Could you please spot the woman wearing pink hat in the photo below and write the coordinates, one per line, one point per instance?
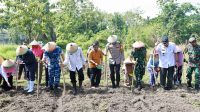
(6, 70)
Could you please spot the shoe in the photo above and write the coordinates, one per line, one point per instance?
(167, 88)
(139, 88)
(27, 87)
(117, 84)
(113, 84)
(31, 87)
(74, 90)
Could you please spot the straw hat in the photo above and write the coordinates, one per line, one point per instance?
(1, 60)
(138, 44)
(128, 61)
(50, 46)
(178, 49)
(21, 50)
(71, 47)
(8, 63)
(34, 42)
(112, 38)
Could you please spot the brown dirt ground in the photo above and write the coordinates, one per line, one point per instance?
(102, 100)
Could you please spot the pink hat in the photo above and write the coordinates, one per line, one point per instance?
(9, 70)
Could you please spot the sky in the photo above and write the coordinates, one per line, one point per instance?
(148, 7)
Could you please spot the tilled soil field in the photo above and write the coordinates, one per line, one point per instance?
(102, 100)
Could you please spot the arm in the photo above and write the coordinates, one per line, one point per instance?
(82, 57)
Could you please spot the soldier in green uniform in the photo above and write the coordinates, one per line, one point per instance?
(139, 54)
(193, 51)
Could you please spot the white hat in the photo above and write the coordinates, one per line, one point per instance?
(50, 46)
(8, 63)
(21, 50)
(138, 44)
(112, 38)
(34, 42)
(71, 47)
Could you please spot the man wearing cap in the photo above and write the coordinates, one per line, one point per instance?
(139, 55)
(116, 56)
(75, 61)
(52, 57)
(168, 58)
(95, 59)
(193, 51)
(27, 57)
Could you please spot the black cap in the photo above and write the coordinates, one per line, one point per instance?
(165, 39)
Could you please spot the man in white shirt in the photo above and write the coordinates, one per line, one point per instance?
(76, 61)
(167, 61)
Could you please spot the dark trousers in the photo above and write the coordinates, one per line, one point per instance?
(95, 76)
(5, 85)
(0, 78)
(46, 76)
(166, 72)
(73, 75)
(178, 74)
(115, 69)
(21, 69)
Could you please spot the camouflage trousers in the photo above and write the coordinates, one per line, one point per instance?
(189, 75)
(139, 73)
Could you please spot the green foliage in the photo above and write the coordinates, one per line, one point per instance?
(8, 51)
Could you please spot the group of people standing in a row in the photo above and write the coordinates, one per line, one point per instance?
(166, 58)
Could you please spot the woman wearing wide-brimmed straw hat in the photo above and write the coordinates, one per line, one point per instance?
(75, 61)
(36, 48)
(27, 57)
(52, 56)
(7, 69)
(116, 56)
(139, 53)
(127, 69)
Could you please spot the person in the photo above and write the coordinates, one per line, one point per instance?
(116, 57)
(193, 51)
(178, 69)
(37, 50)
(88, 51)
(27, 57)
(7, 70)
(95, 59)
(139, 55)
(153, 68)
(52, 57)
(167, 60)
(1, 60)
(127, 69)
(75, 61)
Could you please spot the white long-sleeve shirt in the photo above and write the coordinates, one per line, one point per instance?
(75, 60)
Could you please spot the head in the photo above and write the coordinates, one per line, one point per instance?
(95, 45)
(165, 41)
(193, 41)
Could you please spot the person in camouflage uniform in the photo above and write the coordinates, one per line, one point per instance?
(193, 51)
(139, 54)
